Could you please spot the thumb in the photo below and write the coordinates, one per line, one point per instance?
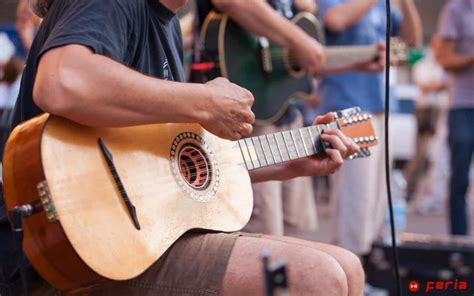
(326, 118)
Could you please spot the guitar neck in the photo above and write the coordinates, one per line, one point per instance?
(343, 55)
(270, 149)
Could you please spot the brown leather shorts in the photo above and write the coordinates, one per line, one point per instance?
(194, 265)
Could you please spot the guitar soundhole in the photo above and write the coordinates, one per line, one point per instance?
(194, 166)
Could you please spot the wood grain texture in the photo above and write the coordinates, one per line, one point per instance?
(44, 243)
(92, 212)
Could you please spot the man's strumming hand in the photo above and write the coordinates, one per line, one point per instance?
(228, 111)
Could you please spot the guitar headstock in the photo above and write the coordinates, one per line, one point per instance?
(357, 125)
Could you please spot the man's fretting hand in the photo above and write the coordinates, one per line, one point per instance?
(309, 53)
(228, 110)
(341, 148)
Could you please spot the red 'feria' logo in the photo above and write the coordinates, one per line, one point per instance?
(414, 286)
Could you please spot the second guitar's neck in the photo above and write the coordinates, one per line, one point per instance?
(269, 149)
(342, 55)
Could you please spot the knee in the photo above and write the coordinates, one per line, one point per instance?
(320, 274)
(353, 269)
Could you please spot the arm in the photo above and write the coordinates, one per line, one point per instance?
(450, 60)
(91, 89)
(342, 147)
(341, 16)
(306, 6)
(411, 30)
(258, 17)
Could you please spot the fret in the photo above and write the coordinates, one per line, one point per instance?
(245, 155)
(278, 147)
(290, 145)
(300, 130)
(266, 150)
(283, 146)
(313, 140)
(253, 153)
(272, 144)
(298, 144)
(307, 141)
(260, 155)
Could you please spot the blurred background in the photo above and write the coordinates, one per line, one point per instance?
(419, 146)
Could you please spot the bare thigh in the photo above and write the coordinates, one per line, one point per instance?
(310, 271)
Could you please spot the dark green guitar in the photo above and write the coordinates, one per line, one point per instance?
(268, 71)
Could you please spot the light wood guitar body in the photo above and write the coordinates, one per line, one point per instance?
(106, 203)
(87, 202)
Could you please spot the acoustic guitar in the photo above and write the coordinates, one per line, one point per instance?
(270, 72)
(106, 203)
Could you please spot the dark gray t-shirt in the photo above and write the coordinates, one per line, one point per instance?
(141, 34)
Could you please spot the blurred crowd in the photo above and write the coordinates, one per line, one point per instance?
(434, 178)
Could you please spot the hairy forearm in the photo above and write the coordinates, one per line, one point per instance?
(344, 15)
(261, 19)
(449, 59)
(411, 30)
(278, 172)
(456, 63)
(97, 91)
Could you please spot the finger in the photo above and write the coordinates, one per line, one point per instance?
(336, 143)
(235, 136)
(335, 161)
(245, 129)
(351, 146)
(335, 157)
(326, 118)
(248, 117)
(249, 97)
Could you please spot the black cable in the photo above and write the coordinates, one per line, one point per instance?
(387, 150)
(17, 215)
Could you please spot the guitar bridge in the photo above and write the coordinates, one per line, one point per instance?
(46, 201)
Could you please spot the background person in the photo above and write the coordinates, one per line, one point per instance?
(456, 55)
(84, 67)
(361, 22)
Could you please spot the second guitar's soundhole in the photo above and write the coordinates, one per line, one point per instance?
(194, 167)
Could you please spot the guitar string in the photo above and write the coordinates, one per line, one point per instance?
(259, 155)
(307, 138)
(133, 178)
(69, 206)
(113, 186)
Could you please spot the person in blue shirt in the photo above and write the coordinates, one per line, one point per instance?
(362, 22)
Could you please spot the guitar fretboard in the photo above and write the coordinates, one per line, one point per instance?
(269, 149)
(336, 55)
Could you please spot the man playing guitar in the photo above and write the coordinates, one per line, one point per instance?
(118, 63)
